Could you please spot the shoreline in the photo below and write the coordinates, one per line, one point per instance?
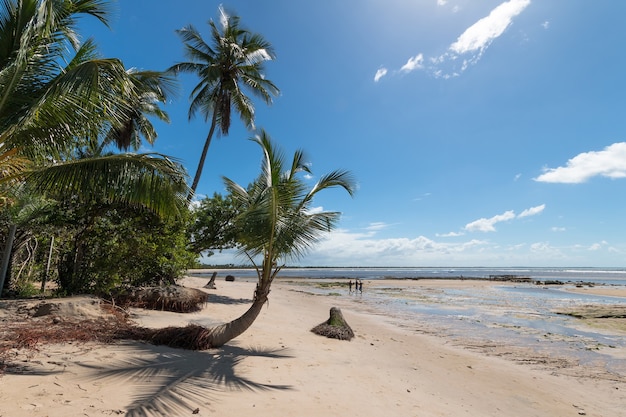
(278, 367)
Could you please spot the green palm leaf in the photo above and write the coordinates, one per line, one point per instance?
(228, 68)
(148, 180)
(276, 220)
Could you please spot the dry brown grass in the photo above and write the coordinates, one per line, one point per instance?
(23, 332)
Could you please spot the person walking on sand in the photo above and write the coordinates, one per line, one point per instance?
(350, 285)
(361, 287)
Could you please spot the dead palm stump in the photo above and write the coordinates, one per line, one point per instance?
(211, 284)
(335, 327)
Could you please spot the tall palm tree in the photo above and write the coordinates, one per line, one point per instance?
(232, 63)
(276, 223)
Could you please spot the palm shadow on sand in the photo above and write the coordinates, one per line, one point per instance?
(171, 381)
(223, 299)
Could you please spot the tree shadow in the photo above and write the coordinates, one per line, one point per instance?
(174, 381)
(223, 299)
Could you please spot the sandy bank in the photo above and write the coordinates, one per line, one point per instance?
(279, 368)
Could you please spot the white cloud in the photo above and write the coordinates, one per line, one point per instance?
(416, 62)
(598, 246)
(545, 248)
(375, 226)
(610, 163)
(451, 234)
(546, 24)
(472, 43)
(488, 225)
(478, 36)
(469, 47)
(314, 210)
(345, 248)
(532, 211)
(558, 229)
(422, 197)
(380, 74)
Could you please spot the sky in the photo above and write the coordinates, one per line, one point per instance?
(481, 133)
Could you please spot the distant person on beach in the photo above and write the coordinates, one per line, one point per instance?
(350, 285)
(361, 287)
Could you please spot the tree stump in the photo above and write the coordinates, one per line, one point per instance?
(211, 284)
(335, 327)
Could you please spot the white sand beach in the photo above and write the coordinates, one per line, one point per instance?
(279, 368)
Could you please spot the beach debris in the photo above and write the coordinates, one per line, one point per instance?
(211, 284)
(230, 278)
(335, 327)
(174, 298)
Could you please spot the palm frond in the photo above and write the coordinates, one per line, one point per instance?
(145, 180)
(275, 221)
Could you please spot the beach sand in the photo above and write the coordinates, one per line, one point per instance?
(279, 368)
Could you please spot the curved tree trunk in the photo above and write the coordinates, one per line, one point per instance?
(197, 337)
(222, 334)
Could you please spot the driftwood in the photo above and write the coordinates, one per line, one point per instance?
(211, 284)
(335, 327)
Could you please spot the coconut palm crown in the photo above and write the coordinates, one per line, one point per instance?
(277, 222)
(233, 63)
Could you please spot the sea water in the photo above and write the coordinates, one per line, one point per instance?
(616, 276)
(520, 315)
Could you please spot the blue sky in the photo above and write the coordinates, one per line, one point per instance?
(481, 133)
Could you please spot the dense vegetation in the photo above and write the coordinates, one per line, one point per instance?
(77, 202)
(80, 208)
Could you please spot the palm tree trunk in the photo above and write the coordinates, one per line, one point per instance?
(47, 270)
(222, 334)
(6, 257)
(205, 150)
(195, 337)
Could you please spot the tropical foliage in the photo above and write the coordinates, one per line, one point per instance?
(64, 110)
(212, 226)
(231, 64)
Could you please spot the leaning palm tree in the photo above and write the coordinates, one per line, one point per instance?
(232, 64)
(276, 224)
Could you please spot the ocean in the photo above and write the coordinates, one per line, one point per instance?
(501, 320)
(598, 276)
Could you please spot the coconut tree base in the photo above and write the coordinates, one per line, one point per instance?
(335, 327)
(211, 284)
